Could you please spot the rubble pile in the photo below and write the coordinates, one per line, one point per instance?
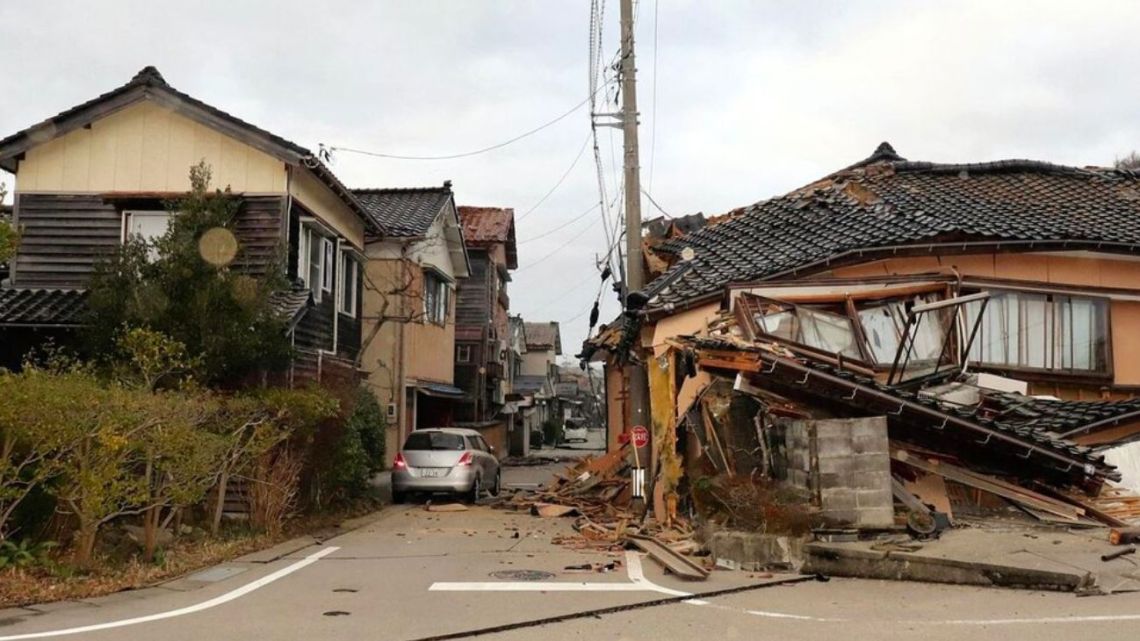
(597, 494)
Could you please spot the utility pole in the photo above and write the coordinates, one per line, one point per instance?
(638, 410)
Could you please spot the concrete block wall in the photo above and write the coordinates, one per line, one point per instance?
(845, 464)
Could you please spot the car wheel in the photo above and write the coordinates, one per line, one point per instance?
(476, 490)
(399, 497)
(497, 486)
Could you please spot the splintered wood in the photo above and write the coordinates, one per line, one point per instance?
(596, 493)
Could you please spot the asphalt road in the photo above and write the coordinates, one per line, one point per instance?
(377, 583)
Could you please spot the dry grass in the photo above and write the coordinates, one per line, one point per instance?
(41, 585)
(742, 503)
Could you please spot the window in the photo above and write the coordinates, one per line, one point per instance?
(1051, 332)
(146, 225)
(462, 353)
(327, 262)
(314, 261)
(436, 298)
(349, 276)
(434, 441)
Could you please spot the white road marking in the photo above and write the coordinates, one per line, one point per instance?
(638, 583)
(205, 605)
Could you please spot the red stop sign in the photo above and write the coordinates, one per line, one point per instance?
(640, 436)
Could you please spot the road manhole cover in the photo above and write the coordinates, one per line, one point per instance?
(522, 575)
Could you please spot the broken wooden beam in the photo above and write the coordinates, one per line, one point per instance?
(680, 566)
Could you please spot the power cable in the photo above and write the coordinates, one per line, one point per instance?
(653, 112)
(477, 151)
(663, 212)
(563, 245)
(551, 231)
(560, 180)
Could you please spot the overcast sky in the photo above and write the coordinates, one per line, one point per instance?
(740, 102)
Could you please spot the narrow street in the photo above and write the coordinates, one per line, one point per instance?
(410, 574)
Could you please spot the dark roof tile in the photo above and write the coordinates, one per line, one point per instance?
(886, 201)
(405, 212)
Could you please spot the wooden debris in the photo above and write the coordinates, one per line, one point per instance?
(673, 562)
(1124, 536)
(552, 510)
(1014, 493)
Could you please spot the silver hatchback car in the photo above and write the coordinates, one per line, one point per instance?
(451, 460)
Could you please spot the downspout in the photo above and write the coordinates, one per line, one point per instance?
(336, 288)
(401, 379)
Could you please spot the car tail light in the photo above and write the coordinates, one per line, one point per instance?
(466, 459)
(400, 463)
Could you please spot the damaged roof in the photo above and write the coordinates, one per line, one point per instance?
(405, 212)
(887, 201)
(1064, 418)
(485, 226)
(543, 336)
(913, 417)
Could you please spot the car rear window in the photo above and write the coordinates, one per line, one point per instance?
(434, 441)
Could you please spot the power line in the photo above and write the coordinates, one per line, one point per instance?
(560, 180)
(551, 231)
(564, 245)
(653, 112)
(477, 151)
(665, 213)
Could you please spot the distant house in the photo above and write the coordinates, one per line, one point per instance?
(482, 319)
(539, 374)
(90, 176)
(411, 276)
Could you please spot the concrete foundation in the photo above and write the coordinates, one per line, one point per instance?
(754, 551)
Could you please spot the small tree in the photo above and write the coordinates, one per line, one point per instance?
(8, 236)
(1130, 161)
(179, 459)
(176, 286)
(99, 474)
(32, 438)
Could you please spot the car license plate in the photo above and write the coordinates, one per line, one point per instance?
(433, 472)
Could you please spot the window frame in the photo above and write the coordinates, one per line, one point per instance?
(463, 349)
(1104, 371)
(437, 304)
(308, 234)
(348, 269)
(128, 216)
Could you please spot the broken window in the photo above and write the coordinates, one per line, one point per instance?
(884, 324)
(814, 327)
(1052, 332)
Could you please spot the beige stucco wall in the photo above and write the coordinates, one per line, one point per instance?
(319, 199)
(144, 148)
(534, 362)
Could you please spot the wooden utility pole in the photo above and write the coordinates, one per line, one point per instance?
(634, 273)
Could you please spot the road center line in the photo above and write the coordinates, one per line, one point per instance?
(205, 605)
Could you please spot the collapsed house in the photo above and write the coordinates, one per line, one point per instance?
(899, 341)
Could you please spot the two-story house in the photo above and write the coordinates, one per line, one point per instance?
(410, 279)
(89, 176)
(538, 374)
(482, 318)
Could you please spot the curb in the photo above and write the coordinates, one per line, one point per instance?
(834, 560)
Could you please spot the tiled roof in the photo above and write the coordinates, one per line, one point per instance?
(543, 336)
(483, 226)
(150, 81)
(405, 212)
(42, 307)
(528, 384)
(886, 201)
(1061, 417)
(291, 304)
